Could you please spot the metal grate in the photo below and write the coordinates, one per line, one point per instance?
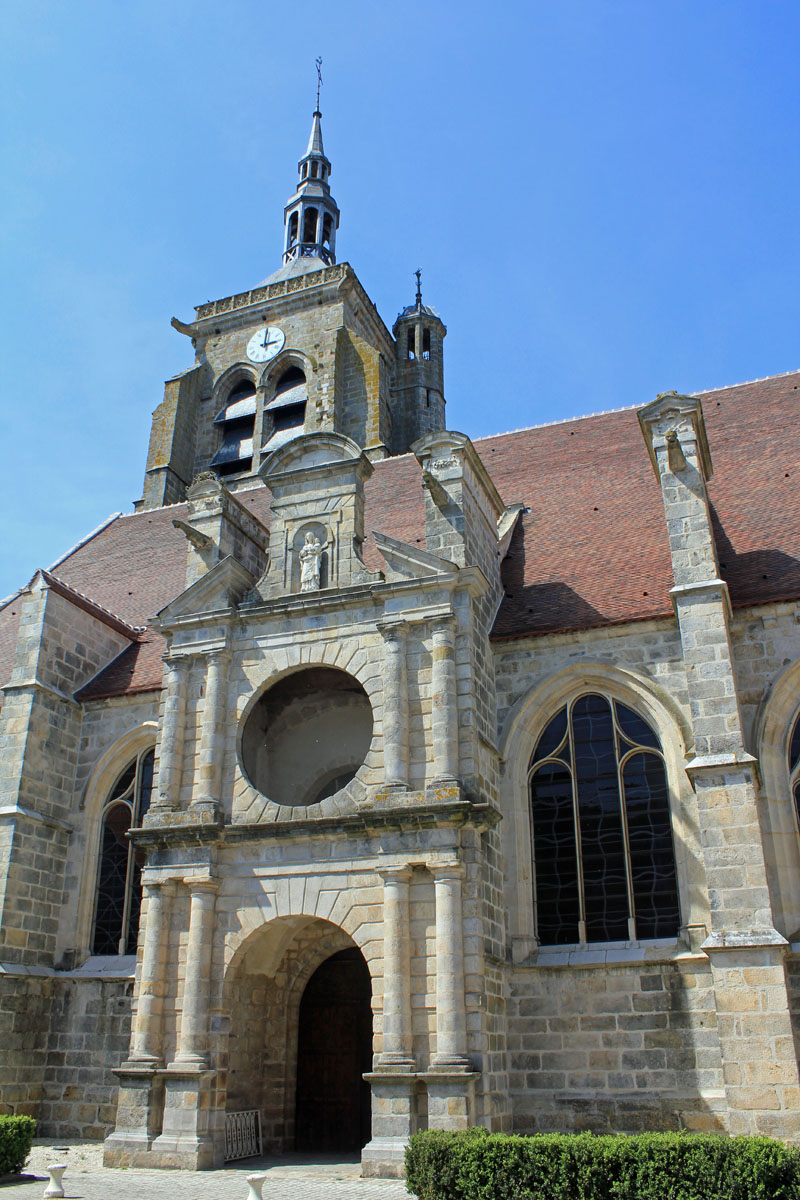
(242, 1134)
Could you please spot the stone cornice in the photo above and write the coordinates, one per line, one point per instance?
(409, 817)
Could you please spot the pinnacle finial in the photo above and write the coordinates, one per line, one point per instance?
(418, 274)
(318, 64)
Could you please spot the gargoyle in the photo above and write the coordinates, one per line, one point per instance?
(200, 541)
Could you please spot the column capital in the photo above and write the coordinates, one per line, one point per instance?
(400, 874)
(201, 883)
(443, 625)
(217, 654)
(176, 662)
(446, 870)
(393, 629)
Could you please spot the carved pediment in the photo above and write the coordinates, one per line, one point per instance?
(221, 588)
(410, 562)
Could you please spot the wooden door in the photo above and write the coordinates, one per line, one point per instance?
(334, 1050)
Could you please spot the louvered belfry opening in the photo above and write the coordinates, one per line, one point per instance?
(237, 421)
(285, 414)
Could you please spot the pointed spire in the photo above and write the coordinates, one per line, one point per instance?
(311, 216)
(315, 140)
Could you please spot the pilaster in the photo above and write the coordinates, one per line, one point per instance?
(745, 950)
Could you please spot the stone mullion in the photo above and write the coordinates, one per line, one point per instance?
(395, 704)
(170, 753)
(444, 708)
(194, 1025)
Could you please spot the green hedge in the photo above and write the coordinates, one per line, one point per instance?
(476, 1165)
(16, 1138)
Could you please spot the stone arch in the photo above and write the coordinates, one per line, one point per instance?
(352, 661)
(102, 779)
(287, 358)
(522, 728)
(774, 721)
(239, 372)
(264, 984)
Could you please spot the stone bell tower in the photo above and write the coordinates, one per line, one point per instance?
(303, 352)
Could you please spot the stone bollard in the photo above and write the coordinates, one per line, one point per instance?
(55, 1188)
(254, 1185)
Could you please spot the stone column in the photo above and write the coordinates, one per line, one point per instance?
(396, 970)
(393, 1083)
(194, 1028)
(211, 739)
(745, 950)
(395, 704)
(170, 752)
(444, 715)
(451, 1009)
(147, 1030)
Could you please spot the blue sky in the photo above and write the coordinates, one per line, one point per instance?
(602, 195)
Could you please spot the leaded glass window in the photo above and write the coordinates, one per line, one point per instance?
(794, 766)
(604, 862)
(119, 886)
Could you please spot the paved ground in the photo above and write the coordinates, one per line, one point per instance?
(294, 1177)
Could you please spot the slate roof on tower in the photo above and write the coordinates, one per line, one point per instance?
(591, 550)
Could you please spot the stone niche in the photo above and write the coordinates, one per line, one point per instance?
(306, 737)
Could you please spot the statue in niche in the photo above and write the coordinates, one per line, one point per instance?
(310, 555)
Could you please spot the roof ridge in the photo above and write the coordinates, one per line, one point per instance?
(135, 630)
(605, 412)
(745, 382)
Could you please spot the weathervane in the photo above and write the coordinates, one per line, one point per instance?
(318, 62)
(418, 274)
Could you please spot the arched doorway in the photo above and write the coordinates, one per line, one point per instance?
(334, 1049)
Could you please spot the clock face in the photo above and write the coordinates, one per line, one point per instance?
(265, 344)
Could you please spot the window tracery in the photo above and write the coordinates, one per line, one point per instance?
(119, 891)
(604, 862)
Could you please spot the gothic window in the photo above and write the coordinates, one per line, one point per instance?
(794, 766)
(237, 421)
(285, 415)
(119, 889)
(604, 862)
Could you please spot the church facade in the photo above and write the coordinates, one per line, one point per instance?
(365, 779)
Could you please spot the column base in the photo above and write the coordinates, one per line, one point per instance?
(140, 1106)
(206, 812)
(442, 791)
(384, 1158)
(192, 1135)
(451, 1096)
(394, 1119)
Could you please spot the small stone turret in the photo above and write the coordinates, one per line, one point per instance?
(418, 392)
(311, 216)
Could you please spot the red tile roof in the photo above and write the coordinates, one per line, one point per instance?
(591, 551)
